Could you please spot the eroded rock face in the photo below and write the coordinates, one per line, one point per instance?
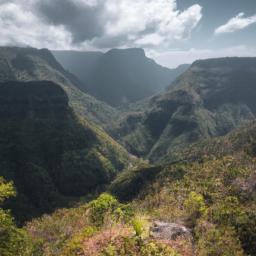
(168, 231)
(33, 99)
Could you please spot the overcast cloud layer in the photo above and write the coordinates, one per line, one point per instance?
(59, 24)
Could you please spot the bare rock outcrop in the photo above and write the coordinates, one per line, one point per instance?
(169, 231)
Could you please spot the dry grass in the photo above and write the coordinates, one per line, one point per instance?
(94, 245)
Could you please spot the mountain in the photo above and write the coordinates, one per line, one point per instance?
(239, 143)
(199, 198)
(81, 64)
(29, 64)
(119, 76)
(210, 99)
(192, 207)
(210, 188)
(52, 154)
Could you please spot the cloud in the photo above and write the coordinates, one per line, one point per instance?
(177, 57)
(83, 19)
(67, 24)
(237, 23)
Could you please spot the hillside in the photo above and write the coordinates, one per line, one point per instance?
(199, 199)
(52, 154)
(119, 76)
(211, 188)
(210, 99)
(187, 208)
(29, 64)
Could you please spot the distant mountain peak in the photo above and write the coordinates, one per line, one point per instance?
(236, 62)
(31, 64)
(119, 76)
(128, 51)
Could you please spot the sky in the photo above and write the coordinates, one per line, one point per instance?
(172, 32)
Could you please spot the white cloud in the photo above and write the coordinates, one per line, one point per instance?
(237, 23)
(66, 24)
(22, 27)
(150, 22)
(177, 57)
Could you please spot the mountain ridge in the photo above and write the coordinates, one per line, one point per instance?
(203, 102)
(119, 76)
(30, 64)
(52, 154)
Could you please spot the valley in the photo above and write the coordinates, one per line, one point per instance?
(164, 168)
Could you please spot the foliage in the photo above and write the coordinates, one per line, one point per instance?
(65, 231)
(130, 247)
(195, 207)
(138, 227)
(74, 246)
(203, 193)
(63, 155)
(154, 249)
(13, 241)
(213, 241)
(107, 206)
(6, 190)
(246, 230)
(130, 182)
(228, 211)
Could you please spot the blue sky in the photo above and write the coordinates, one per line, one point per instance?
(171, 31)
(204, 42)
(216, 13)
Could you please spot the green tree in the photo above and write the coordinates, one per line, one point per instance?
(13, 241)
(217, 241)
(195, 207)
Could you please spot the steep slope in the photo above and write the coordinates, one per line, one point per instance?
(239, 143)
(26, 64)
(204, 207)
(118, 76)
(81, 64)
(210, 187)
(242, 139)
(210, 99)
(51, 153)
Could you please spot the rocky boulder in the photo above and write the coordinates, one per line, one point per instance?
(168, 231)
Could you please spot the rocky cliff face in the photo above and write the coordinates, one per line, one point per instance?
(32, 100)
(119, 76)
(29, 64)
(51, 153)
(210, 99)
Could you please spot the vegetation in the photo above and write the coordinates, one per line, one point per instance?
(209, 187)
(29, 64)
(119, 76)
(202, 103)
(203, 195)
(214, 197)
(102, 227)
(13, 241)
(62, 155)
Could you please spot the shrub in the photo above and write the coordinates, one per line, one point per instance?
(213, 241)
(13, 241)
(195, 207)
(246, 230)
(108, 206)
(130, 247)
(74, 245)
(157, 249)
(227, 211)
(138, 227)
